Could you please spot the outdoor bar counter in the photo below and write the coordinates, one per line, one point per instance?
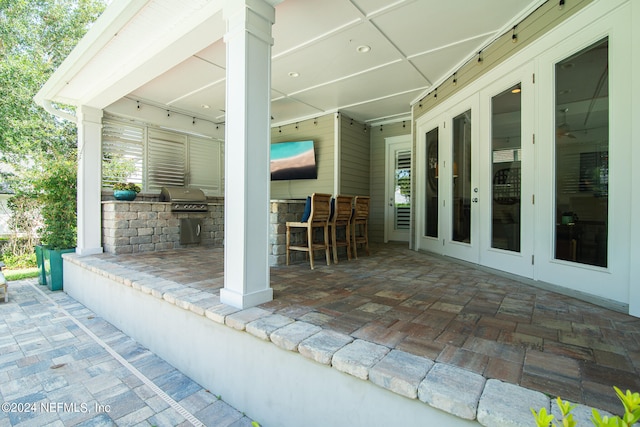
(146, 225)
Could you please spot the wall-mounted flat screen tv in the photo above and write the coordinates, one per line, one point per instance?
(293, 160)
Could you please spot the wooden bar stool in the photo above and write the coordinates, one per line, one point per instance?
(342, 211)
(360, 224)
(318, 218)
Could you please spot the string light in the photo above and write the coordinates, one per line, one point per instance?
(455, 78)
(140, 104)
(479, 57)
(514, 36)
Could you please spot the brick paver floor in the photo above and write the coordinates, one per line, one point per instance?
(61, 365)
(446, 311)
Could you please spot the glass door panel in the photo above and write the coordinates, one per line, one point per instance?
(431, 185)
(402, 193)
(461, 178)
(506, 158)
(398, 191)
(582, 156)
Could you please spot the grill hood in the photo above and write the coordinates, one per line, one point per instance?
(182, 194)
(184, 199)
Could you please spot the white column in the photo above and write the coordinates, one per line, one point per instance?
(248, 135)
(89, 180)
(634, 174)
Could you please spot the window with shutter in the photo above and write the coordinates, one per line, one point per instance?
(166, 160)
(122, 153)
(156, 158)
(205, 165)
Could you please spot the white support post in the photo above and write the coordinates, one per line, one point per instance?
(248, 136)
(89, 181)
(634, 174)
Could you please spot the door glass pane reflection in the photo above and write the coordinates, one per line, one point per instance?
(582, 156)
(506, 153)
(461, 216)
(431, 196)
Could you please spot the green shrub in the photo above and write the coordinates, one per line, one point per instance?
(56, 189)
(630, 402)
(14, 261)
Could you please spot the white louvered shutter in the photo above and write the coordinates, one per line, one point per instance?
(166, 160)
(205, 159)
(123, 141)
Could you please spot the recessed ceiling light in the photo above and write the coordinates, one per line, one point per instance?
(363, 48)
(293, 74)
(205, 106)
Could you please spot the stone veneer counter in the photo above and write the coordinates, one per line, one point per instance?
(282, 211)
(149, 225)
(144, 226)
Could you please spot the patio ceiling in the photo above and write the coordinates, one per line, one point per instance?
(171, 55)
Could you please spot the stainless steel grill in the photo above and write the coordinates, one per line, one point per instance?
(184, 199)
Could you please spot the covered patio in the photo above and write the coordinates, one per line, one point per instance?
(432, 307)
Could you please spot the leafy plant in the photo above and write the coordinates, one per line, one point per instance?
(129, 186)
(116, 168)
(630, 402)
(56, 189)
(24, 222)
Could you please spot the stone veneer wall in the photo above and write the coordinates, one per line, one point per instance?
(144, 226)
(281, 212)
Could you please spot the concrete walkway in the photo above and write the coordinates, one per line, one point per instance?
(60, 365)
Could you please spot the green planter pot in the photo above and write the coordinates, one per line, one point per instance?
(128, 195)
(53, 267)
(42, 276)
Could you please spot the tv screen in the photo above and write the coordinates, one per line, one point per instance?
(293, 160)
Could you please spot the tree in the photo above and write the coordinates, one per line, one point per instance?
(35, 37)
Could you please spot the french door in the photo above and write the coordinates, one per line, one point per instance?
(507, 176)
(542, 188)
(448, 149)
(476, 183)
